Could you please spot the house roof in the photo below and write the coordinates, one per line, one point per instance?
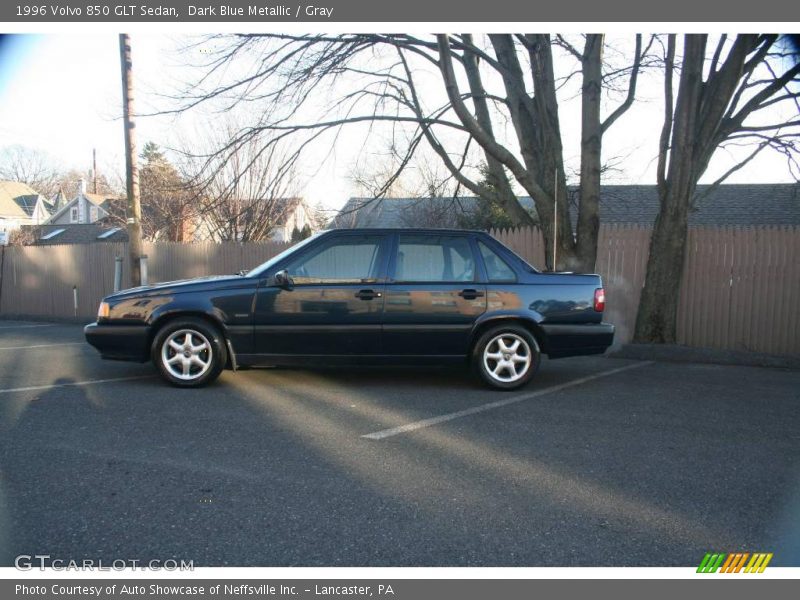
(58, 200)
(15, 197)
(98, 199)
(28, 203)
(360, 213)
(83, 233)
(733, 204)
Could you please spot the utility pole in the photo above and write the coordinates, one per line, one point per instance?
(131, 166)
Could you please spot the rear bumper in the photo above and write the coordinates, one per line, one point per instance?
(578, 340)
(119, 342)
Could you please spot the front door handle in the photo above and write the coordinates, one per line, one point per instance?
(367, 294)
(470, 294)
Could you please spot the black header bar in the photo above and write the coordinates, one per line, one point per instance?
(453, 11)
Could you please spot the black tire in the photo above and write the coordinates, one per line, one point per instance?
(505, 378)
(205, 365)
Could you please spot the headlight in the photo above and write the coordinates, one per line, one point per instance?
(103, 311)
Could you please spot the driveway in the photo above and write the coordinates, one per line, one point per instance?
(598, 462)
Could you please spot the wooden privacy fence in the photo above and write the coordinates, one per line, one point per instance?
(38, 281)
(740, 288)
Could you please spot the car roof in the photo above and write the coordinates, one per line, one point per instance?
(405, 230)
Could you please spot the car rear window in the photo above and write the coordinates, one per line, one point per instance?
(497, 270)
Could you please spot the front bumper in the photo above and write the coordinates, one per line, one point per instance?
(119, 342)
(579, 339)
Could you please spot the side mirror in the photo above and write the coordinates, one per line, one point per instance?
(282, 279)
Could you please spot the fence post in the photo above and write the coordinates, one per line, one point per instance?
(143, 268)
(117, 273)
(75, 299)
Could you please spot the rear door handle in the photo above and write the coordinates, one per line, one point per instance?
(367, 294)
(470, 294)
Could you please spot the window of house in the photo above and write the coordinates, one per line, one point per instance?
(108, 233)
(497, 270)
(354, 259)
(434, 258)
(73, 214)
(52, 234)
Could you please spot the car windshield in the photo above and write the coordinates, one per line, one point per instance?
(263, 267)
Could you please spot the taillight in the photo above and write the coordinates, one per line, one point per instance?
(599, 299)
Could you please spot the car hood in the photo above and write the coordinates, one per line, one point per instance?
(184, 285)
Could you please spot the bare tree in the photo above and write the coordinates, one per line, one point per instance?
(45, 174)
(505, 78)
(33, 167)
(245, 191)
(720, 102)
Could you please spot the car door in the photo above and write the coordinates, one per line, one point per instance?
(334, 303)
(433, 295)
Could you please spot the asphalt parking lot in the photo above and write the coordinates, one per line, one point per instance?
(598, 462)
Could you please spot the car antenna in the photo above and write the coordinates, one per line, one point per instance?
(555, 217)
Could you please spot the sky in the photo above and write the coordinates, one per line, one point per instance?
(61, 94)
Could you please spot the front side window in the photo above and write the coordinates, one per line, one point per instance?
(354, 259)
(440, 258)
(497, 270)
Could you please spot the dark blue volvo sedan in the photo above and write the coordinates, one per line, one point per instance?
(363, 296)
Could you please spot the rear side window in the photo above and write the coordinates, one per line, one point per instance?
(442, 258)
(497, 270)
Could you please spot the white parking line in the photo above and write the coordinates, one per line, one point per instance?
(385, 433)
(35, 388)
(27, 326)
(43, 346)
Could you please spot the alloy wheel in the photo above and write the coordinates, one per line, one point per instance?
(507, 357)
(186, 354)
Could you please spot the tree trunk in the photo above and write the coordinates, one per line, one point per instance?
(656, 321)
(591, 147)
(131, 167)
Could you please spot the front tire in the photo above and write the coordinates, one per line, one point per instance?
(189, 352)
(506, 357)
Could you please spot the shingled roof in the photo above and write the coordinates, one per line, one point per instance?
(82, 233)
(734, 204)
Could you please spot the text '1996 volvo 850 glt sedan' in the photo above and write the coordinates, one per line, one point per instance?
(366, 296)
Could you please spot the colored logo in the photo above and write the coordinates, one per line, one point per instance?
(735, 562)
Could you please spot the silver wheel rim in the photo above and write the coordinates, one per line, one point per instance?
(186, 354)
(507, 357)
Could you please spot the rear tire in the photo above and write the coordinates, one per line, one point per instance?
(506, 357)
(189, 352)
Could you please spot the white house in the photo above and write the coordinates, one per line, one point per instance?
(295, 214)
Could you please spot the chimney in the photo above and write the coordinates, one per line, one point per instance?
(82, 201)
(94, 169)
